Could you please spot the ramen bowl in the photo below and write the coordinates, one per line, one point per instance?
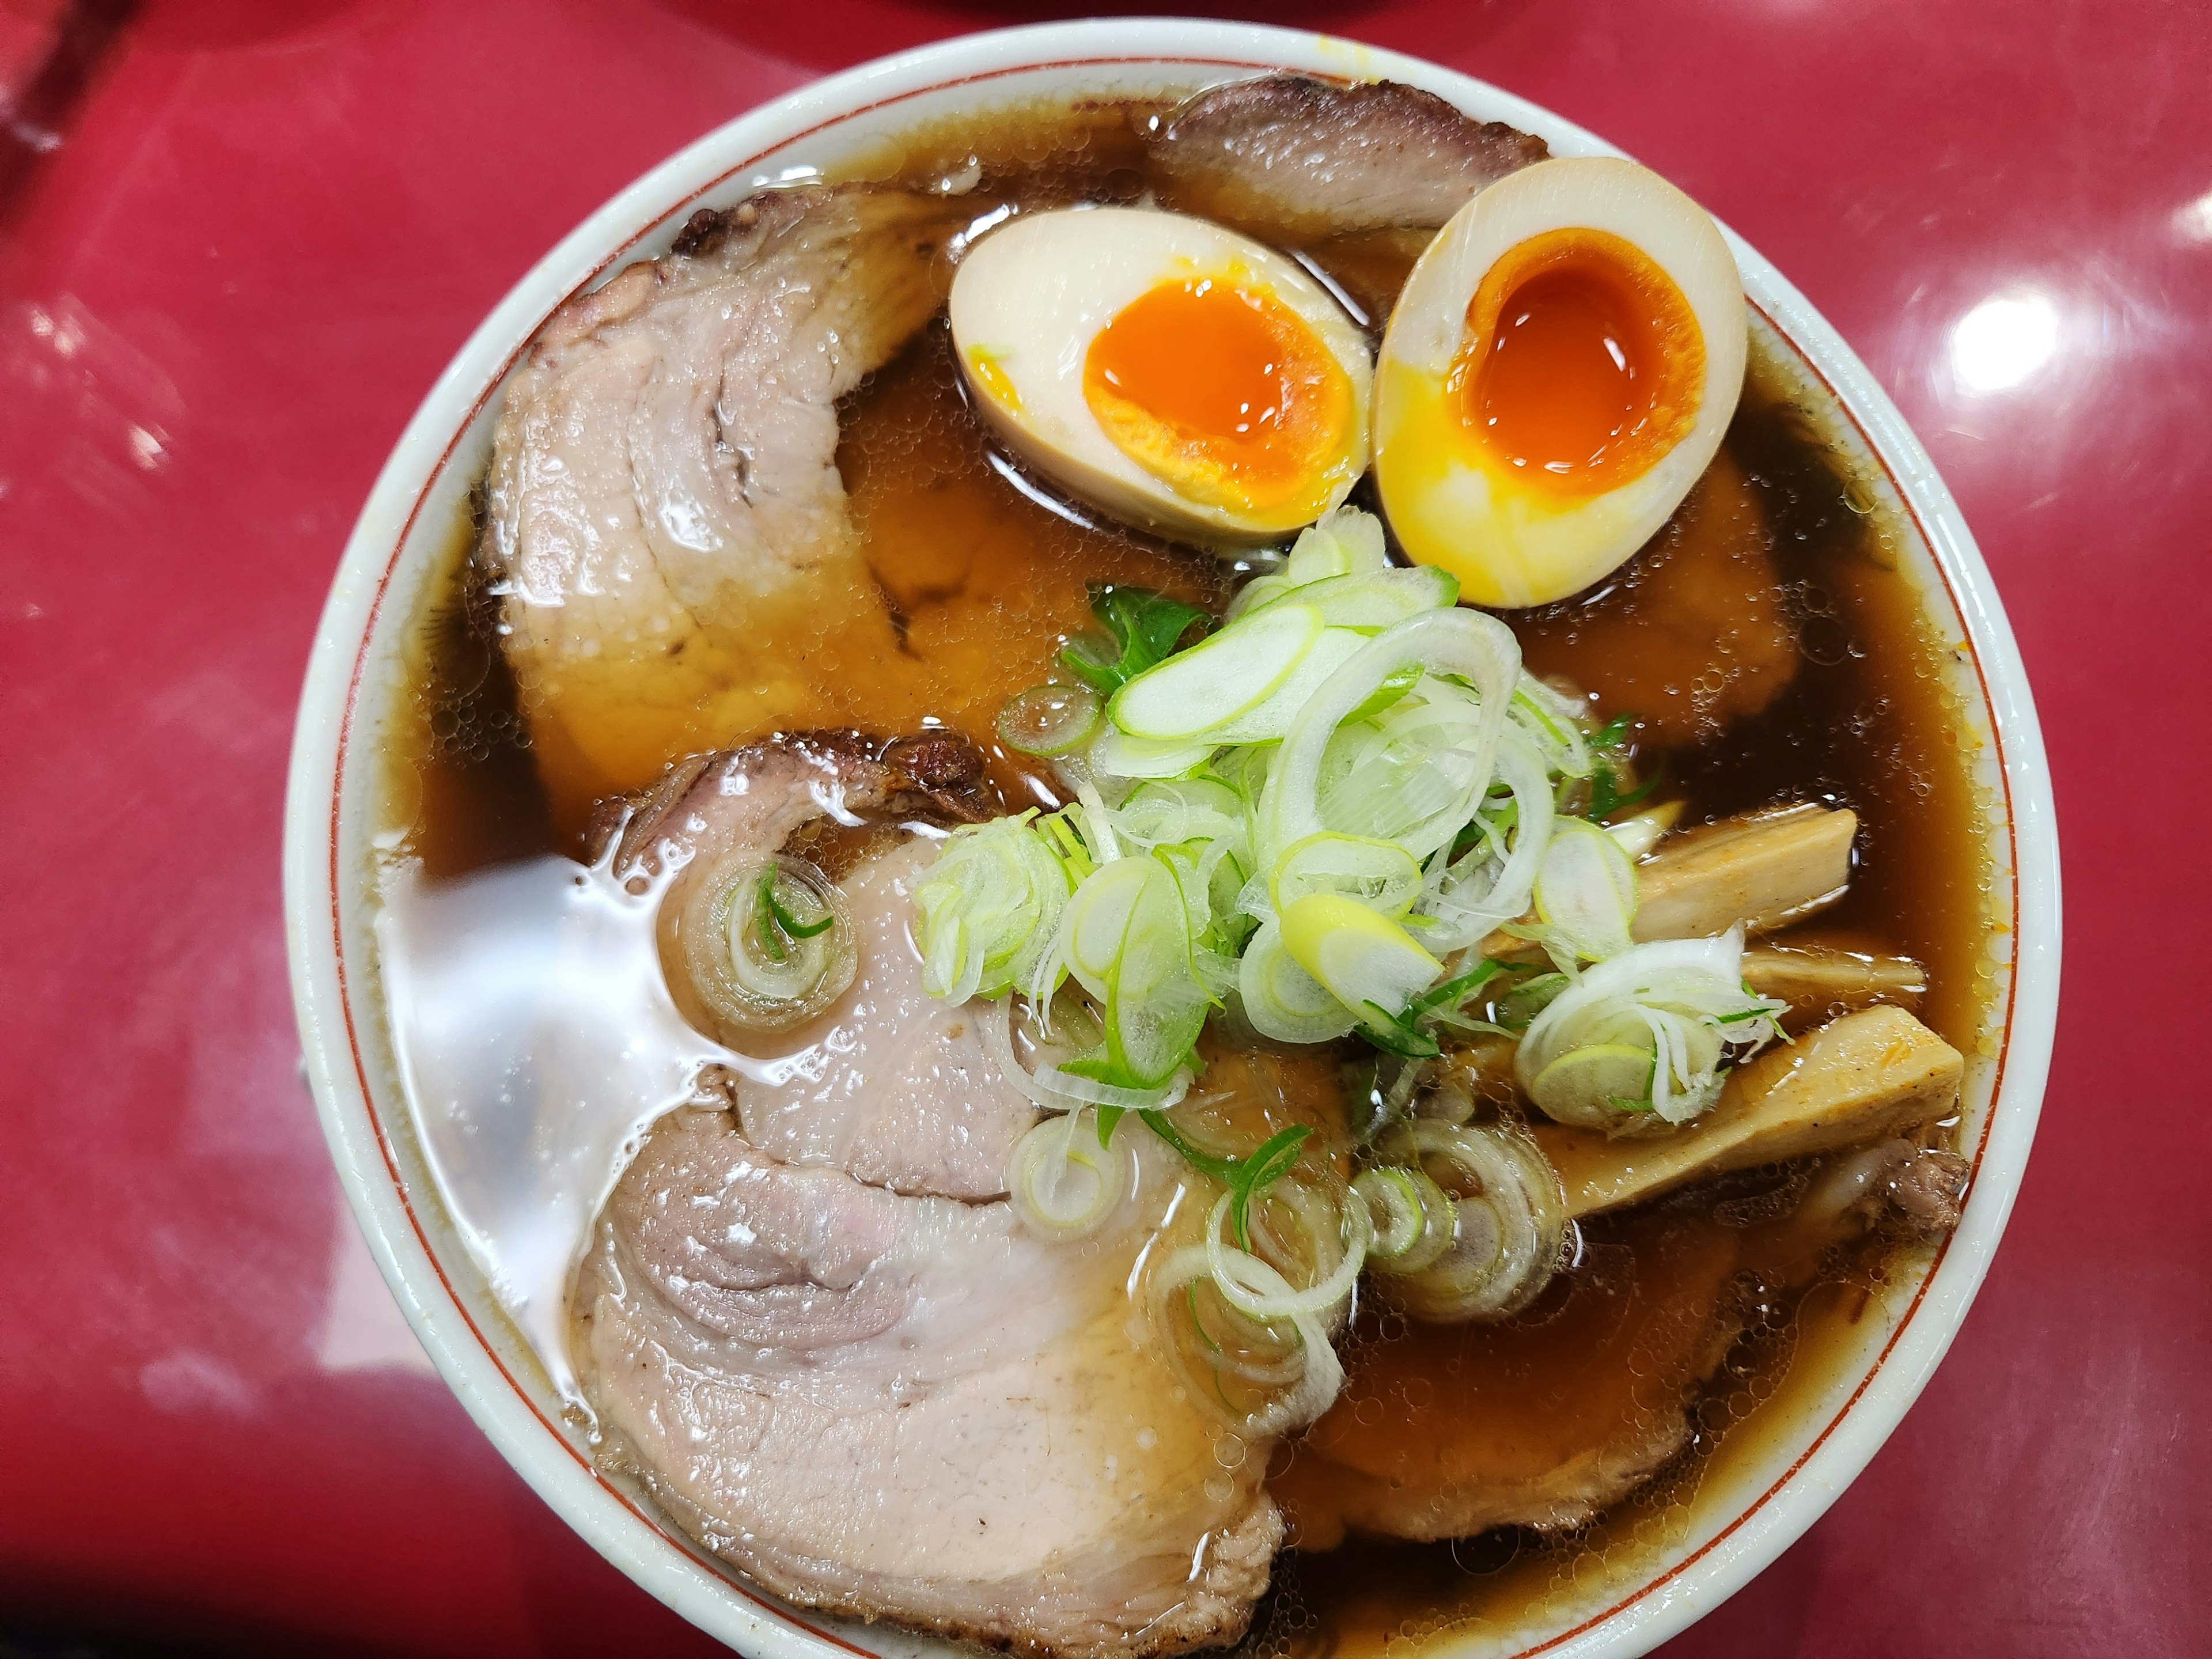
(1752, 1498)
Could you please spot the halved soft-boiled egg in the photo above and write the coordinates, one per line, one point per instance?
(1167, 371)
(1558, 371)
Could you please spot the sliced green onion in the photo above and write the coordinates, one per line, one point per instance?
(1281, 999)
(1266, 721)
(1597, 1081)
(1127, 940)
(1377, 598)
(1049, 719)
(1642, 1041)
(1170, 813)
(1258, 593)
(1637, 835)
(1268, 1295)
(1480, 891)
(1119, 754)
(771, 955)
(987, 908)
(1585, 891)
(1319, 1374)
(1359, 957)
(1379, 874)
(1062, 1182)
(1553, 720)
(1198, 691)
(1056, 1090)
(1509, 1221)
(774, 886)
(1478, 648)
(1070, 1088)
(1412, 1218)
(1392, 690)
(1344, 542)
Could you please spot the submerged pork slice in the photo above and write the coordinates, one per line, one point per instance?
(810, 1327)
(1307, 157)
(1541, 1422)
(664, 486)
(1551, 1418)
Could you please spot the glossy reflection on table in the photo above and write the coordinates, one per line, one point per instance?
(238, 241)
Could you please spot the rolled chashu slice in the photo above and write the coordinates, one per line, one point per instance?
(664, 504)
(1545, 1423)
(811, 1325)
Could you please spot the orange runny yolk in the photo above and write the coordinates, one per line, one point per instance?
(1223, 393)
(1581, 364)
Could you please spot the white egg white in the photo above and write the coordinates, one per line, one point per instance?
(1510, 541)
(1030, 298)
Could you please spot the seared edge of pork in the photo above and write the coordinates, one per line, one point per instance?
(1310, 157)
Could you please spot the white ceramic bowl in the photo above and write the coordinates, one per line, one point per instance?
(408, 523)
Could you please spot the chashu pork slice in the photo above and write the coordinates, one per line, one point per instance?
(810, 1326)
(910, 1407)
(1547, 1420)
(893, 1086)
(664, 495)
(1306, 157)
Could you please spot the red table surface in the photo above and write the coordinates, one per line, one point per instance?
(236, 256)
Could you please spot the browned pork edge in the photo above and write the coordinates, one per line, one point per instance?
(1309, 157)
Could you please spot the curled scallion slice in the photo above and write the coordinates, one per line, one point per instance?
(777, 944)
(1268, 1294)
(1412, 1218)
(1050, 719)
(1642, 1041)
(1509, 1221)
(1260, 1377)
(1062, 1182)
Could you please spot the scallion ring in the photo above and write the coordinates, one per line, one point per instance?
(776, 947)
(1050, 719)
(1062, 1182)
(1412, 1216)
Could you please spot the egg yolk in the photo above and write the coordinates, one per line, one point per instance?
(1581, 364)
(1223, 393)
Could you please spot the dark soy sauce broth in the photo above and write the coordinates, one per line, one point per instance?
(1804, 672)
